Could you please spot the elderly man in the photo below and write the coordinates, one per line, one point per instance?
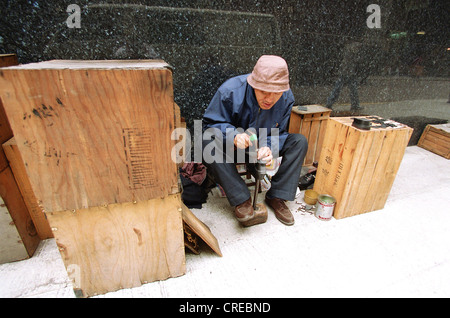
(260, 102)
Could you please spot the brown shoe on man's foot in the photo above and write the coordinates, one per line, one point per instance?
(244, 211)
(282, 212)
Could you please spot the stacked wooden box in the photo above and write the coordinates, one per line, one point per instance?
(358, 167)
(436, 138)
(94, 137)
(310, 121)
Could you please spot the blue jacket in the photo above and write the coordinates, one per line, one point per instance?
(235, 106)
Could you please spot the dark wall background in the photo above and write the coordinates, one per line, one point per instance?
(208, 41)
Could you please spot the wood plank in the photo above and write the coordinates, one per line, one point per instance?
(326, 157)
(369, 170)
(121, 245)
(18, 168)
(294, 123)
(93, 132)
(387, 180)
(349, 193)
(312, 140)
(379, 171)
(201, 229)
(8, 60)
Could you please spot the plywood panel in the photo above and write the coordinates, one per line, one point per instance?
(121, 245)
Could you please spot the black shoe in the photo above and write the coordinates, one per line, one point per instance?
(307, 180)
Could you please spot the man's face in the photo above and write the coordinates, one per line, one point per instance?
(267, 99)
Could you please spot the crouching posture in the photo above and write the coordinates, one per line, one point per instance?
(250, 109)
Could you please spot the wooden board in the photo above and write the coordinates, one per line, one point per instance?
(436, 138)
(5, 128)
(8, 60)
(93, 132)
(311, 123)
(121, 245)
(201, 230)
(15, 204)
(358, 167)
(18, 168)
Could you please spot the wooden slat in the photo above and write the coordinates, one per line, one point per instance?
(21, 177)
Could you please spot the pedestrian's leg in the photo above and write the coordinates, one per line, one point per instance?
(335, 93)
(354, 97)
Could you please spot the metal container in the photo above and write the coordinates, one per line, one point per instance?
(325, 207)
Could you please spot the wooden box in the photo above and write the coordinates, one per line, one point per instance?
(311, 123)
(358, 167)
(436, 138)
(93, 132)
(95, 140)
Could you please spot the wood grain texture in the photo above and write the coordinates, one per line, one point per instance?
(121, 245)
(93, 132)
(311, 123)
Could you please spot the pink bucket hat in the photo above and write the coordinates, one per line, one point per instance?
(270, 74)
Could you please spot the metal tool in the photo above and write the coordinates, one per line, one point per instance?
(260, 171)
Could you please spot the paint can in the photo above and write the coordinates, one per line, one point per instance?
(325, 207)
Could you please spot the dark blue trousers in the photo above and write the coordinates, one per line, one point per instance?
(283, 184)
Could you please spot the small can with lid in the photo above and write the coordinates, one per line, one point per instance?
(325, 207)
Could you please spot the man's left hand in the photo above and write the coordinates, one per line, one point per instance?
(265, 154)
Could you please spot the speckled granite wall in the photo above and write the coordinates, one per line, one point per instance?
(208, 41)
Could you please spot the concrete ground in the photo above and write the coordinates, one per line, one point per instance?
(402, 250)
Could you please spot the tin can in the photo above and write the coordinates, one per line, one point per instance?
(325, 207)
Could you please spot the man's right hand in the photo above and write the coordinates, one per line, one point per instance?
(242, 141)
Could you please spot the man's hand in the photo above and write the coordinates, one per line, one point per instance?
(242, 141)
(265, 154)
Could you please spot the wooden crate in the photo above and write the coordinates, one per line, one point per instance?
(121, 245)
(311, 124)
(358, 167)
(95, 140)
(436, 138)
(93, 132)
